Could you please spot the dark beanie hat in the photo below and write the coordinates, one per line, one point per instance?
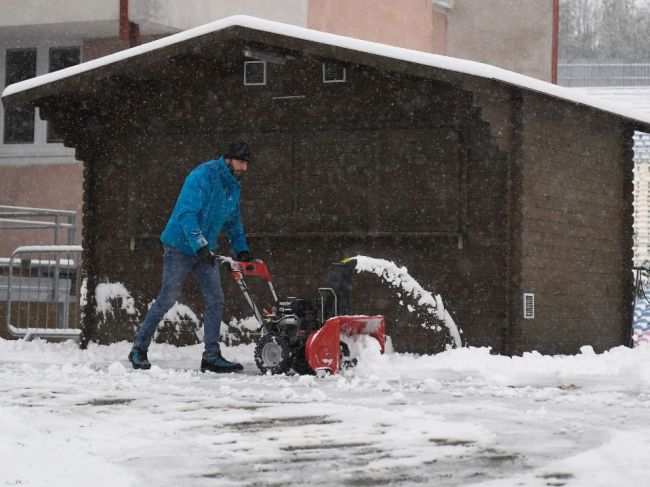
(238, 149)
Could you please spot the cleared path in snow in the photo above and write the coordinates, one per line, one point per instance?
(72, 417)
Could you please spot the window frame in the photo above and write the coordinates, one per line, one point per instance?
(40, 151)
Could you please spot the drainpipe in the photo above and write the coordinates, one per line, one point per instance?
(554, 46)
(129, 31)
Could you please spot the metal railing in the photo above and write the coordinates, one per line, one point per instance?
(40, 286)
(19, 217)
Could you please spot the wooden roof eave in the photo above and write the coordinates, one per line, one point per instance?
(90, 82)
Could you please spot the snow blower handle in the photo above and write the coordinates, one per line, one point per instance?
(253, 268)
(241, 269)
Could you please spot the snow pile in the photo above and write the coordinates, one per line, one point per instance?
(530, 368)
(398, 277)
(108, 292)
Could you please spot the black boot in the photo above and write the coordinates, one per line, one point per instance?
(214, 362)
(138, 359)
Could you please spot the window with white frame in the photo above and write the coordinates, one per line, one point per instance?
(22, 132)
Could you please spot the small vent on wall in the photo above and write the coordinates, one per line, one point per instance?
(529, 306)
(334, 73)
(254, 73)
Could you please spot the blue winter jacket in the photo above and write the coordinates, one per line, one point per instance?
(208, 202)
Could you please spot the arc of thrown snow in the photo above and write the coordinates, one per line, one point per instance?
(400, 278)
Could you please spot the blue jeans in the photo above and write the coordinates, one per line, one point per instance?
(176, 266)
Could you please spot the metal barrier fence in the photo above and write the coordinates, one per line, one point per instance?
(603, 74)
(20, 217)
(40, 286)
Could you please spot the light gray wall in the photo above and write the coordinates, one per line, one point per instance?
(33, 12)
(512, 34)
(154, 15)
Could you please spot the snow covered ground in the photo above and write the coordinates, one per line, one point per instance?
(73, 417)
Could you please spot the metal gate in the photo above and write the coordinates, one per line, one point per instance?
(41, 288)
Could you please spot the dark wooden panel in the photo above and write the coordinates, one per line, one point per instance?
(547, 258)
(583, 178)
(384, 180)
(574, 227)
(601, 236)
(569, 289)
(573, 217)
(545, 191)
(268, 196)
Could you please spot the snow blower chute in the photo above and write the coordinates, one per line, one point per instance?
(294, 336)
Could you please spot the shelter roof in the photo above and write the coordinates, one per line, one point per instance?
(34, 88)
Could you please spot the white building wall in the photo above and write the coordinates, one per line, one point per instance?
(156, 16)
(513, 34)
(36, 12)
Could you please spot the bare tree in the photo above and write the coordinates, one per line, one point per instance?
(604, 30)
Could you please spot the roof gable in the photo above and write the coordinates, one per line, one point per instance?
(243, 25)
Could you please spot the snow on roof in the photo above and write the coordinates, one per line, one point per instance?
(626, 97)
(418, 57)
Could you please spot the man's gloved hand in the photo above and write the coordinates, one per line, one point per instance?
(245, 257)
(206, 256)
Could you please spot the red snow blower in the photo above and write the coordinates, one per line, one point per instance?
(293, 335)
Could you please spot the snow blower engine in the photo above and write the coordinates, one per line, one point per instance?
(294, 336)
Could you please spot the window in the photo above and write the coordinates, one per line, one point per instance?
(63, 57)
(334, 73)
(254, 73)
(21, 125)
(19, 120)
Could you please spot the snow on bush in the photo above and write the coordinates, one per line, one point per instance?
(398, 277)
(83, 300)
(179, 319)
(239, 331)
(108, 292)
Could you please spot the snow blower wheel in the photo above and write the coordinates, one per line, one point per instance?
(273, 354)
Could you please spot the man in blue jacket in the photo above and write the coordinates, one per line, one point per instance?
(208, 203)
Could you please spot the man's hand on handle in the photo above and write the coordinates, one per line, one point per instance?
(245, 257)
(206, 256)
